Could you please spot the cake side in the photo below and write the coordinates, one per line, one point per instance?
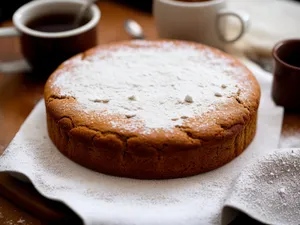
(112, 154)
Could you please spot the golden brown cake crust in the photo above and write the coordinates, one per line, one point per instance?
(201, 143)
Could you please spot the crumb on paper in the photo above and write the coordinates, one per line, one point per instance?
(101, 100)
(188, 99)
(130, 115)
(282, 190)
(132, 98)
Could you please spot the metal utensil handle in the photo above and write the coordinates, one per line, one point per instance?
(9, 32)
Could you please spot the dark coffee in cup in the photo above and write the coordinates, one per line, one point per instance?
(55, 22)
(57, 49)
(290, 55)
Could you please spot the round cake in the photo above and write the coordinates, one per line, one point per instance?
(152, 109)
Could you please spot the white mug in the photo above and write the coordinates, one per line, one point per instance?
(197, 21)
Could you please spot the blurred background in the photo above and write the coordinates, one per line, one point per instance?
(8, 7)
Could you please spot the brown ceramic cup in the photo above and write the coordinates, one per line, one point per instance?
(286, 81)
(44, 51)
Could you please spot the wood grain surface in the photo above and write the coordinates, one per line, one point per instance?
(19, 94)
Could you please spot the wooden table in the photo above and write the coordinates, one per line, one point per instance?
(18, 96)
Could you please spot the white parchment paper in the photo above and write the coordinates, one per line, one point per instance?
(103, 199)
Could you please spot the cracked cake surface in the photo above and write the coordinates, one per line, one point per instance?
(152, 109)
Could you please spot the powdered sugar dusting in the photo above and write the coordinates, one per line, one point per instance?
(173, 80)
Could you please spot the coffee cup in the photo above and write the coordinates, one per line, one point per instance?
(200, 21)
(286, 79)
(44, 50)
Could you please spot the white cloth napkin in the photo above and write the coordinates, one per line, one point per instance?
(269, 189)
(103, 199)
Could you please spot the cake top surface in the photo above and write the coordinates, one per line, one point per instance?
(151, 84)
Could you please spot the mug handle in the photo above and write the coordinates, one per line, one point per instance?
(243, 18)
(16, 66)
